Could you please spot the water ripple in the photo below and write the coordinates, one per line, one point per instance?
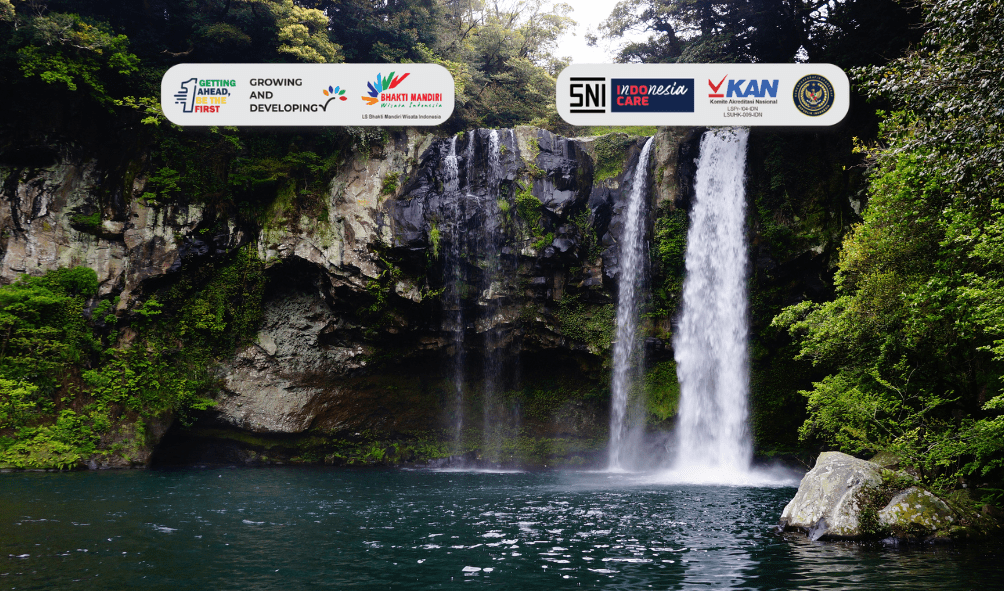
(303, 529)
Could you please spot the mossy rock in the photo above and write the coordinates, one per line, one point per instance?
(915, 513)
(886, 460)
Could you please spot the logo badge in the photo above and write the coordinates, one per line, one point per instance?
(716, 87)
(335, 93)
(389, 82)
(589, 94)
(653, 95)
(813, 95)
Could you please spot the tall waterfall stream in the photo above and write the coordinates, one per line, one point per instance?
(473, 261)
(710, 342)
(632, 263)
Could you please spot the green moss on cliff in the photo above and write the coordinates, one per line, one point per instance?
(662, 388)
(669, 248)
(611, 155)
(529, 207)
(593, 324)
(87, 394)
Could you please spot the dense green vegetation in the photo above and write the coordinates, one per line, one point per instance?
(78, 381)
(912, 344)
(849, 32)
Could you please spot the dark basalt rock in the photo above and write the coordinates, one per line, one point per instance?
(686, 171)
(355, 319)
(568, 174)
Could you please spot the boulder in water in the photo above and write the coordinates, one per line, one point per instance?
(916, 511)
(847, 498)
(826, 502)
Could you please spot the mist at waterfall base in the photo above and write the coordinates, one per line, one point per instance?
(320, 528)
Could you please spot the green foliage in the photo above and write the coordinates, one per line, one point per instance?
(61, 393)
(662, 390)
(912, 341)
(872, 499)
(530, 159)
(45, 338)
(957, 123)
(380, 313)
(42, 328)
(90, 223)
(509, 54)
(766, 31)
(637, 130)
(669, 247)
(18, 403)
(145, 380)
(586, 323)
(264, 178)
(303, 33)
(162, 185)
(589, 241)
(543, 241)
(611, 154)
(528, 207)
(222, 311)
(390, 183)
(434, 238)
(64, 444)
(75, 51)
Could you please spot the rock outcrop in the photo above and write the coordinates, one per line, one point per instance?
(826, 502)
(916, 511)
(498, 244)
(836, 500)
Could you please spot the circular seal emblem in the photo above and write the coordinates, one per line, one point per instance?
(813, 95)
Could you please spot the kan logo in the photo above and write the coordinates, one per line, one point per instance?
(741, 89)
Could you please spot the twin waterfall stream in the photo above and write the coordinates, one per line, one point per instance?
(712, 440)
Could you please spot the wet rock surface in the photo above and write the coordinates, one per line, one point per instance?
(826, 503)
(833, 503)
(916, 510)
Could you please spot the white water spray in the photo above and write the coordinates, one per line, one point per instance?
(631, 263)
(710, 344)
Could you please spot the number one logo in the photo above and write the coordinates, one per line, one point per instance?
(186, 96)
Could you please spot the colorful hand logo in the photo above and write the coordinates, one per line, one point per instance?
(382, 83)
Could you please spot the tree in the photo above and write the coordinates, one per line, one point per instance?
(74, 51)
(771, 31)
(915, 339)
(510, 52)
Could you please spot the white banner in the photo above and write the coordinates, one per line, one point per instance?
(703, 94)
(307, 94)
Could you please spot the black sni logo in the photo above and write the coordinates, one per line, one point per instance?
(589, 95)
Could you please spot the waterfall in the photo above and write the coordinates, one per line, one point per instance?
(710, 342)
(475, 275)
(496, 423)
(452, 296)
(631, 262)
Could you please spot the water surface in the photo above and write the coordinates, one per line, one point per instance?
(296, 528)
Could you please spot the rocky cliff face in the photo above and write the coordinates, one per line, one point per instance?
(445, 276)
